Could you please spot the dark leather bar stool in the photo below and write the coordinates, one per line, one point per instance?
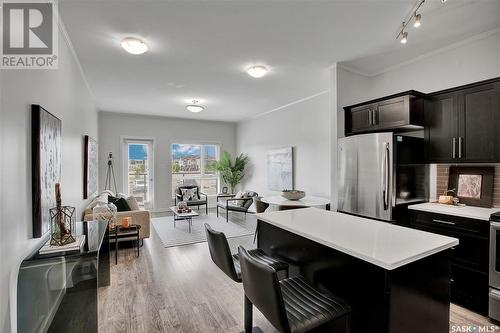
(230, 264)
(291, 305)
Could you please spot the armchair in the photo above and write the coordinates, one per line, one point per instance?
(199, 200)
(231, 204)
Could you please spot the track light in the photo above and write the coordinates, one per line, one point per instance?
(418, 20)
(404, 37)
(412, 15)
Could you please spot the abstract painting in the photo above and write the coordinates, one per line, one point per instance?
(46, 166)
(469, 186)
(280, 169)
(90, 167)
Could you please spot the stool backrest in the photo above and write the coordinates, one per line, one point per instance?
(260, 206)
(262, 288)
(220, 252)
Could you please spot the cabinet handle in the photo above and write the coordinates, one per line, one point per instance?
(371, 117)
(443, 222)
(453, 144)
(460, 147)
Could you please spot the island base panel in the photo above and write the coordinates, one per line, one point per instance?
(411, 298)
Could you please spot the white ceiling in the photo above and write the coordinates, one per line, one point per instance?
(200, 49)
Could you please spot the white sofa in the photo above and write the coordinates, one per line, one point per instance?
(139, 216)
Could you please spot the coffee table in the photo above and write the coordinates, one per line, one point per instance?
(183, 216)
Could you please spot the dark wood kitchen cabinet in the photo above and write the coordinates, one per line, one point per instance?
(460, 124)
(469, 269)
(400, 111)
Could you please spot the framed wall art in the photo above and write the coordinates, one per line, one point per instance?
(90, 167)
(46, 137)
(280, 169)
(472, 185)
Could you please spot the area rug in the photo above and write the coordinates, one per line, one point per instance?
(180, 235)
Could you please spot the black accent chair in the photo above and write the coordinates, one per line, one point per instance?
(197, 202)
(230, 205)
(230, 264)
(290, 305)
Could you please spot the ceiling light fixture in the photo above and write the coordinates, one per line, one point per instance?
(411, 16)
(404, 37)
(257, 71)
(418, 20)
(194, 107)
(134, 45)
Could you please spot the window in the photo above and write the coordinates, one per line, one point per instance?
(194, 164)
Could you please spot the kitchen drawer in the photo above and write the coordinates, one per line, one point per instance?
(473, 248)
(448, 223)
(469, 289)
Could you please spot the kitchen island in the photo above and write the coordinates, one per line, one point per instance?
(396, 279)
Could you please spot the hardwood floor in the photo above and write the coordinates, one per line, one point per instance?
(179, 289)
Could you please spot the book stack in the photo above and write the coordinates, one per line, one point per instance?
(75, 246)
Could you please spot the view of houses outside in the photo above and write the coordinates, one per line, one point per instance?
(194, 164)
(138, 172)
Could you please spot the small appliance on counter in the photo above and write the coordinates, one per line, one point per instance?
(494, 275)
(379, 172)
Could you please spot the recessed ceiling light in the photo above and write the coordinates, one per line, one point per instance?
(134, 45)
(257, 71)
(194, 107)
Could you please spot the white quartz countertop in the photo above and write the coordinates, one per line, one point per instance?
(381, 243)
(471, 212)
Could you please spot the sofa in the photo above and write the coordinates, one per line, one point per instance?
(139, 216)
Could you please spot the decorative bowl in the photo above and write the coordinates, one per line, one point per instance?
(293, 194)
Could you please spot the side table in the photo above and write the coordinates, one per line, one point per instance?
(120, 232)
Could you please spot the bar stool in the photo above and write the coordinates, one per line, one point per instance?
(230, 264)
(291, 305)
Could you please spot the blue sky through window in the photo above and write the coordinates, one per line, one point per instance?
(137, 152)
(185, 150)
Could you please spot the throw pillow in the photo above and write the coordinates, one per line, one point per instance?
(189, 194)
(132, 203)
(112, 199)
(122, 205)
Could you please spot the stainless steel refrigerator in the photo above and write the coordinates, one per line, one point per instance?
(378, 172)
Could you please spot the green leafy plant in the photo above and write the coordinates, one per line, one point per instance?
(232, 172)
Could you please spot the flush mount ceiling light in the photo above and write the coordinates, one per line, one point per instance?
(194, 107)
(257, 71)
(134, 45)
(411, 16)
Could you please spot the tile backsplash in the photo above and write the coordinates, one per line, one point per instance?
(442, 182)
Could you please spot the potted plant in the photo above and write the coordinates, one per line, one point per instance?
(232, 172)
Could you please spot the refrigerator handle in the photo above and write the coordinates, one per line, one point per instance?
(385, 190)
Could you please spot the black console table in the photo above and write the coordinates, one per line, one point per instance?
(58, 292)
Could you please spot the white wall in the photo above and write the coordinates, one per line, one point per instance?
(64, 93)
(165, 131)
(459, 64)
(304, 126)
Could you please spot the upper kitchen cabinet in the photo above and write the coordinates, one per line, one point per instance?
(401, 111)
(460, 124)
